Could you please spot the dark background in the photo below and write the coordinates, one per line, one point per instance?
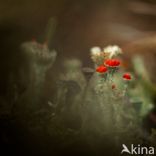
(81, 24)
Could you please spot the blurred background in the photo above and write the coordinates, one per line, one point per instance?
(81, 24)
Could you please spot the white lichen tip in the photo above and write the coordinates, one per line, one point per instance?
(97, 55)
(95, 51)
(113, 50)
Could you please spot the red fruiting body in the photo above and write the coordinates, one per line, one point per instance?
(126, 76)
(112, 62)
(101, 69)
(113, 86)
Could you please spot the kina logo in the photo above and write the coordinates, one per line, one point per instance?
(137, 150)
